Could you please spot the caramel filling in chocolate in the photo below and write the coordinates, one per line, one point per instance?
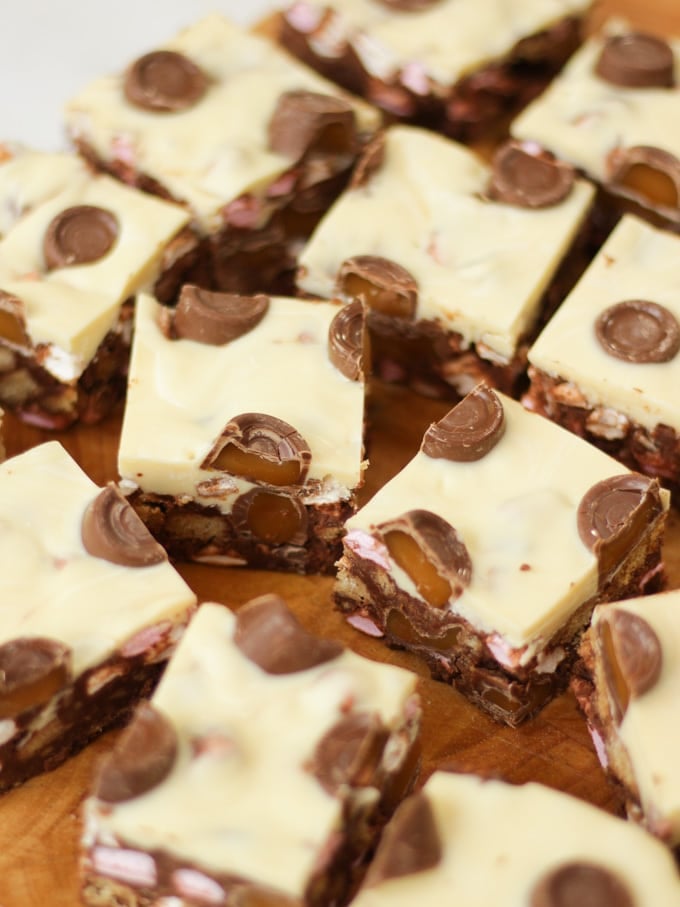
(385, 300)
(274, 518)
(652, 184)
(401, 628)
(244, 463)
(616, 678)
(12, 329)
(406, 552)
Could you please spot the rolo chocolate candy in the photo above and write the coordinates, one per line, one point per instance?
(580, 884)
(381, 284)
(305, 120)
(164, 81)
(431, 552)
(261, 448)
(631, 657)
(614, 512)
(647, 174)
(216, 318)
(270, 635)
(636, 60)
(346, 340)
(112, 530)
(79, 236)
(32, 670)
(142, 757)
(350, 752)
(528, 176)
(470, 430)
(410, 842)
(274, 518)
(638, 331)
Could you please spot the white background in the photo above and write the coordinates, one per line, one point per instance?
(49, 49)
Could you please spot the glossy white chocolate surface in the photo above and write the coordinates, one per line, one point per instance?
(582, 118)
(241, 798)
(218, 149)
(481, 266)
(515, 510)
(182, 394)
(49, 584)
(446, 41)
(648, 729)
(636, 262)
(499, 841)
(71, 309)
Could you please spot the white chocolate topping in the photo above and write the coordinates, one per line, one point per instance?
(447, 41)
(648, 730)
(481, 266)
(72, 308)
(216, 150)
(636, 262)
(182, 394)
(499, 840)
(249, 805)
(515, 510)
(50, 585)
(29, 177)
(582, 118)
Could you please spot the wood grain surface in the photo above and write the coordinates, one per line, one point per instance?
(39, 823)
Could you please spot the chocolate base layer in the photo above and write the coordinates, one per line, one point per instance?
(192, 532)
(43, 736)
(340, 868)
(653, 452)
(459, 654)
(255, 248)
(480, 105)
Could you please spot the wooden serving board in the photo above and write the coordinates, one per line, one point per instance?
(39, 822)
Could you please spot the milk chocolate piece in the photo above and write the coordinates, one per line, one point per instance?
(112, 530)
(410, 843)
(32, 670)
(528, 176)
(432, 553)
(370, 162)
(614, 513)
(273, 518)
(261, 448)
(382, 284)
(631, 657)
(346, 340)
(638, 331)
(349, 752)
(141, 759)
(79, 236)
(216, 318)
(164, 81)
(306, 120)
(469, 431)
(646, 173)
(580, 885)
(637, 60)
(270, 635)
